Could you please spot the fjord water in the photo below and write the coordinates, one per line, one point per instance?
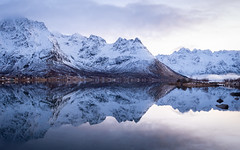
(129, 116)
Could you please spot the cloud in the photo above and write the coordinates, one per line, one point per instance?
(90, 16)
(164, 24)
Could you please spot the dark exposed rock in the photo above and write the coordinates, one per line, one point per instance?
(219, 100)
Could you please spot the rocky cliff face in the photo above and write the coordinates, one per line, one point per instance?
(199, 62)
(28, 48)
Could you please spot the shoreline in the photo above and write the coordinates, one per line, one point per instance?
(205, 83)
(190, 83)
(76, 79)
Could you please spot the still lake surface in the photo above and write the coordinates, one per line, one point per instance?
(134, 116)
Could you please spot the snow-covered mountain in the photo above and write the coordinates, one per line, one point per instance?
(199, 62)
(28, 48)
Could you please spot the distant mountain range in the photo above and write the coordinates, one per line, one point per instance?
(27, 48)
(199, 62)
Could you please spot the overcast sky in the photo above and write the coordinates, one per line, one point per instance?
(162, 25)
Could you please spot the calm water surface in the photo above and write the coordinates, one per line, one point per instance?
(151, 117)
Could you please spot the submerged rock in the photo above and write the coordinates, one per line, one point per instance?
(235, 94)
(223, 106)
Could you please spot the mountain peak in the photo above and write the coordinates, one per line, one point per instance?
(183, 50)
(128, 45)
(124, 41)
(20, 23)
(137, 40)
(97, 39)
(121, 40)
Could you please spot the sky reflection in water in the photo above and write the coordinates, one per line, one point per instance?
(178, 120)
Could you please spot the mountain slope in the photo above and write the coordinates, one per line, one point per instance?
(199, 62)
(28, 48)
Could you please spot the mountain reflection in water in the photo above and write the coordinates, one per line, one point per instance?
(29, 113)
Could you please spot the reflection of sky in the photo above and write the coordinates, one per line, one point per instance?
(161, 127)
(163, 26)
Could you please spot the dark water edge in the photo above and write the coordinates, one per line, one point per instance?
(39, 115)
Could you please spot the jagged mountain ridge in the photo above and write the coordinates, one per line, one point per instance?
(28, 48)
(199, 62)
